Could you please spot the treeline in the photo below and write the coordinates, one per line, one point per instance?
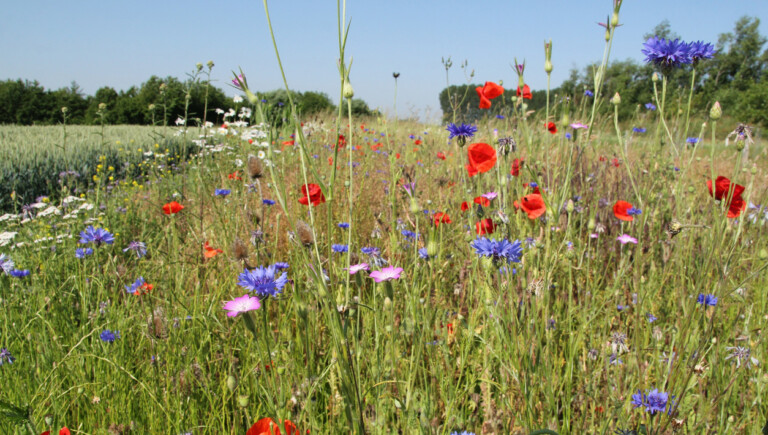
(735, 76)
(158, 101)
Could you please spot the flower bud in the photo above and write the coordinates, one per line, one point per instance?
(210, 64)
(607, 34)
(616, 100)
(655, 77)
(501, 82)
(387, 302)
(716, 111)
(615, 19)
(569, 206)
(753, 170)
(199, 66)
(242, 401)
(64, 109)
(231, 383)
(102, 106)
(739, 145)
(547, 67)
(347, 91)
(432, 248)
(591, 224)
(151, 107)
(763, 254)
(415, 207)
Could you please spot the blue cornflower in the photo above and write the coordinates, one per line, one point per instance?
(339, 249)
(108, 336)
(499, 116)
(700, 50)
(498, 250)
(639, 130)
(462, 132)
(343, 225)
(16, 273)
(651, 317)
(634, 211)
(83, 252)
(268, 202)
(588, 93)
(462, 433)
(423, 254)
(281, 266)
(135, 286)
(568, 136)
(138, 247)
(666, 54)
(620, 307)
(614, 360)
(263, 280)
(6, 264)
(222, 192)
(370, 250)
(653, 401)
(97, 236)
(692, 140)
(533, 184)
(409, 234)
(6, 357)
(707, 300)
(650, 106)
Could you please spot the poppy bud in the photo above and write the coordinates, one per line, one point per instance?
(48, 420)
(242, 401)
(501, 82)
(716, 111)
(569, 206)
(432, 248)
(753, 170)
(151, 107)
(607, 34)
(347, 90)
(387, 302)
(547, 67)
(566, 121)
(591, 224)
(415, 207)
(231, 383)
(102, 106)
(616, 100)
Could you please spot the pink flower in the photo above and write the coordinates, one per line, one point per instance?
(578, 125)
(490, 195)
(243, 304)
(387, 274)
(353, 269)
(626, 238)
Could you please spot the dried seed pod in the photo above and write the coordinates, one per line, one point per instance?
(306, 236)
(255, 167)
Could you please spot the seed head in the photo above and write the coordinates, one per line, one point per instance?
(306, 237)
(255, 167)
(239, 250)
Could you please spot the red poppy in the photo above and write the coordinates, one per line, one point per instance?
(487, 93)
(267, 426)
(440, 155)
(330, 161)
(342, 142)
(63, 431)
(234, 176)
(552, 127)
(288, 142)
(615, 162)
(533, 205)
(723, 187)
(525, 92)
(210, 251)
(485, 226)
(620, 210)
(516, 166)
(172, 207)
(417, 142)
(397, 156)
(312, 194)
(442, 218)
(464, 206)
(485, 202)
(471, 170)
(481, 156)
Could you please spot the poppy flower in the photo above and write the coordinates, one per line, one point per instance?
(485, 226)
(440, 155)
(288, 142)
(525, 92)
(397, 156)
(485, 202)
(312, 195)
(172, 207)
(234, 176)
(481, 156)
(464, 206)
(267, 426)
(342, 142)
(442, 218)
(471, 170)
(723, 187)
(516, 167)
(487, 93)
(533, 186)
(620, 210)
(63, 431)
(552, 127)
(533, 205)
(210, 252)
(615, 162)
(417, 142)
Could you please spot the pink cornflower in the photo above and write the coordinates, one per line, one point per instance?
(243, 304)
(626, 238)
(353, 269)
(490, 195)
(387, 274)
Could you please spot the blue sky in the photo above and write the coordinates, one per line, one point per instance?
(122, 43)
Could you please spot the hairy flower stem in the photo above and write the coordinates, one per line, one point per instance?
(660, 105)
(688, 108)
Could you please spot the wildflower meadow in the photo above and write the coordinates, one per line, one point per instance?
(564, 270)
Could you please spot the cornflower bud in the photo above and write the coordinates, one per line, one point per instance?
(616, 100)
(716, 111)
(347, 91)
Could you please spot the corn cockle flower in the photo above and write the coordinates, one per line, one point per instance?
(626, 238)
(353, 269)
(386, 274)
(243, 304)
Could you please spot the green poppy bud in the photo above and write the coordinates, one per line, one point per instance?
(569, 206)
(242, 401)
(591, 225)
(547, 67)
(432, 248)
(716, 111)
(347, 90)
(753, 170)
(387, 302)
(231, 383)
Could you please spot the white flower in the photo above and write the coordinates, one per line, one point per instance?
(261, 155)
(237, 99)
(238, 163)
(179, 120)
(219, 111)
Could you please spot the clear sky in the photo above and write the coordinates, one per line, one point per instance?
(123, 43)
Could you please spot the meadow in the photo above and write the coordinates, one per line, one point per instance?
(546, 272)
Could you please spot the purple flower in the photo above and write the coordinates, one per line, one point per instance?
(707, 300)
(653, 401)
(97, 236)
(16, 273)
(638, 130)
(651, 318)
(650, 106)
(490, 195)
(666, 54)
(588, 93)
(386, 274)
(692, 140)
(83, 252)
(578, 125)
(243, 304)
(626, 238)
(343, 225)
(6, 264)
(222, 192)
(498, 250)
(108, 336)
(339, 249)
(135, 286)
(263, 281)
(462, 132)
(353, 269)
(700, 50)
(268, 202)
(6, 357)
(138, 247)
(239, 81)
